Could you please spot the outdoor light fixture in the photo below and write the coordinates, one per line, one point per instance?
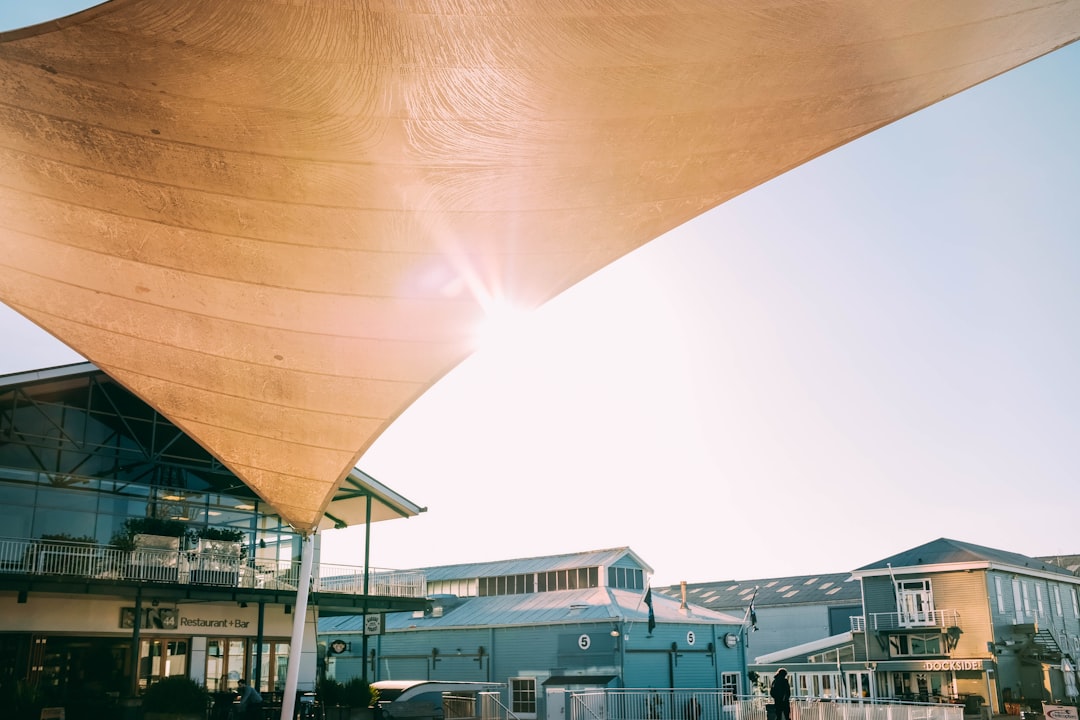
(22, 597)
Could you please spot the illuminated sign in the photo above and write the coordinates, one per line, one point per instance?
(953, 665)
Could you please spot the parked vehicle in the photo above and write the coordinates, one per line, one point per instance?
(430, 699)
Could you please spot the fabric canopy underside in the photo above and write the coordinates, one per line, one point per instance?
(280, 222)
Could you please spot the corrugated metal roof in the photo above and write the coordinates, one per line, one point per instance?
(947, 551)
(546, 608)
(731, 595)
(545, 563)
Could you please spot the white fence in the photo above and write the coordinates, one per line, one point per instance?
(709, 704)
(191, 567)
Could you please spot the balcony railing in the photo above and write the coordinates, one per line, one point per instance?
(190, 567)
(681, 704)
(927, 618)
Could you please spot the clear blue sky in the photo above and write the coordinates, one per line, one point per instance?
(875, 350)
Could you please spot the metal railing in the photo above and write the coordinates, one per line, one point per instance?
(711, 704)
(927, 618)
(191, 567)
(492, 707)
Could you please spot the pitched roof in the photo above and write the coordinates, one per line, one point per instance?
(543, 563)
(827, 588)
(945, 551)
(545, 608)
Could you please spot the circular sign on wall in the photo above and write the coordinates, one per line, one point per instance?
(584, 642)
(690, 637)
(338, 646)
(731, 640)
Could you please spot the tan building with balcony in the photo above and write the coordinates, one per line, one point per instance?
(950, 621)
(128, 553)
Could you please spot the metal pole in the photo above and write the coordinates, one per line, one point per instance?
(256, 681)
(135, 641)
(296, 643)
(367, 575)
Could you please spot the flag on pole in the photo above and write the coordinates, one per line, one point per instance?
(753, 613)
(648, 601)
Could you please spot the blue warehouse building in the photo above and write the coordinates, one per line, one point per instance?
(542, 627)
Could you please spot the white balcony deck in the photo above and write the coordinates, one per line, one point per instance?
(188, 567)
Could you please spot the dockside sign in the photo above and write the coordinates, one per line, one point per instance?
(953, 665)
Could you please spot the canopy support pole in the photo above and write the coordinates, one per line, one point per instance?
(296, 643)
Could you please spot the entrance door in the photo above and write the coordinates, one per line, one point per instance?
(915, 602)
(160, 658)
(554, 704)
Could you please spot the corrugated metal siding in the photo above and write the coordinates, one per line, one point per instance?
(784, 627)
(642, 670)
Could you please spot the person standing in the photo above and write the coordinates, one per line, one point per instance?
(250, 701)
(781, 695)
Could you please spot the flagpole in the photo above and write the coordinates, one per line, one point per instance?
(750, 615)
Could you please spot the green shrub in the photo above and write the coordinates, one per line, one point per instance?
(331, 692)
(358, 694)
(175, 694)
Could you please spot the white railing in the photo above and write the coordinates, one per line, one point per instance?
(190, 567)
(927, 618)
(492, 707)
(711, 704)
(858, 623)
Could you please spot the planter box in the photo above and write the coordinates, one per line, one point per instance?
(216, 562)
(155, 558)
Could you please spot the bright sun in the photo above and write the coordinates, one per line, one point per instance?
(504, 326)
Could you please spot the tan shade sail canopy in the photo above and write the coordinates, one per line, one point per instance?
(280, 222)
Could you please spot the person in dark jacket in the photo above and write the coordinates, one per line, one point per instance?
(250, 702)
(781, 695)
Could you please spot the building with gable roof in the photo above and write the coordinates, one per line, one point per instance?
(949, 621)
(543, 626)
(129, 553)
(787, 610)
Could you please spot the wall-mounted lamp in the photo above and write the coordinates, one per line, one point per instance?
(480, 656)
(155, 602)
(22, 597)
(871, 666)
(615, 632)
(434, 656)
(288, 609)
(241, 604)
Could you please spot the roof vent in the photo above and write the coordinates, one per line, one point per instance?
(436, 611)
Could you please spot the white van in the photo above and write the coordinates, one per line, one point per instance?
(430, 699)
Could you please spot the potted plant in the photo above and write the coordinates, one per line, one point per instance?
(360, 698)
(331, 696)
(217, 557)
(175, 698)
(154, 545)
